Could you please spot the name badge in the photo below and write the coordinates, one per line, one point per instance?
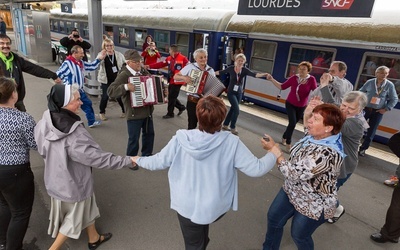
(114, 69)
(375, 100)
(236, 88)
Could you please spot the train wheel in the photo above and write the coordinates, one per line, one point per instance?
(61, 57)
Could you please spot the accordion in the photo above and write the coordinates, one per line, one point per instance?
(149, 90)
(203, 84)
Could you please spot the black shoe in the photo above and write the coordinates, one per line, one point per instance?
(167, 116)
(106, 237)
(181, 110)
(134, 168)
(378, 237)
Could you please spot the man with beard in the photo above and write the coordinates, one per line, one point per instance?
(13, 65)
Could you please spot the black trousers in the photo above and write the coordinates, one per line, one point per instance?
(173, 102)
(194, 235)
(17, 192)
(391, 229)
(104, 99)
(191, 113)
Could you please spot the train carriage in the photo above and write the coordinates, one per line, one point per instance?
(278, 44)
(273, 44)
(189, 29)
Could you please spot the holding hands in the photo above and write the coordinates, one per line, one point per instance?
(271, 146)
(101, 55)
(325, 79)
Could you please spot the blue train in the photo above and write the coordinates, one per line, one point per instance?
(271, 44)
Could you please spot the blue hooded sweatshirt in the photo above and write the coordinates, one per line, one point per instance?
(202, 172)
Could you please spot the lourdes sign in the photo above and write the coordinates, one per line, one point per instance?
(332, 8)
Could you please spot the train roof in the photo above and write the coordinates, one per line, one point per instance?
(382, 27)
(179, 20)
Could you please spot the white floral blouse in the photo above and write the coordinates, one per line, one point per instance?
(310, 179)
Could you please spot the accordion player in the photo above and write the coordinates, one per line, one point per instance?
(149, 90)
(203, 84)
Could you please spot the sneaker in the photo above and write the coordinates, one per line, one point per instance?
(283, 142)
(122, 115)
(361, 152)
(392, 182)
(234, 131)
(226, 128)
(103, 117)
(95, 123)
(181, 110)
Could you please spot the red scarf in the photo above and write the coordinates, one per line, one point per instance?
(72, 59)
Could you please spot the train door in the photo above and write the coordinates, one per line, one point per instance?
(200, 41)
(233, 46)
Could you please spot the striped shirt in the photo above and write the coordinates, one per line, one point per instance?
(71, 73)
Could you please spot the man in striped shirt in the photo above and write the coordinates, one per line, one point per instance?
(72, 71)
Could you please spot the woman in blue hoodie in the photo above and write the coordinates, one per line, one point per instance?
(203, 167)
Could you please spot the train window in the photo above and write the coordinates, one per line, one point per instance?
(85, 30)
(161, 38)
(140, 35)
(182, 40)
(263, 55)
(372, 61)
(62, 27)
(69, 27)
(109, 31)
(53, 25)
(123, 36)
(320, 58)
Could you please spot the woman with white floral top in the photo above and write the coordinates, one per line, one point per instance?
(308, 195)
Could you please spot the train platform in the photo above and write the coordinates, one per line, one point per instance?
(134, 205)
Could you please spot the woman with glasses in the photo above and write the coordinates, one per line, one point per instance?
(237, 74)
(108, 71)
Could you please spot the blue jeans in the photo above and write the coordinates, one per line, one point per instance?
(375, 119)
(294, 114)
(134, 129)
(234, 99)
(87, 107)
(280, 211)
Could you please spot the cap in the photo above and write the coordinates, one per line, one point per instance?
(132, 55)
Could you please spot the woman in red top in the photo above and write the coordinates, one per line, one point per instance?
(151, 54)
(300, 85)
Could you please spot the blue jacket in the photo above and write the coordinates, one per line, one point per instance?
(202, 172)
(387, 96)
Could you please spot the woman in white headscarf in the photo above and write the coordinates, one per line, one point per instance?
(70, 153)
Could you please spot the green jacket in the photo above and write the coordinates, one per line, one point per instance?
(117, 89)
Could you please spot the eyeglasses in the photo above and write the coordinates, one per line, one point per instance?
(3, 43)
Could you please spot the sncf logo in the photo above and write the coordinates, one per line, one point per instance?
(336, 4)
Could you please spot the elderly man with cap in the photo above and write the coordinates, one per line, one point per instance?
(70, 153)
(139, 119)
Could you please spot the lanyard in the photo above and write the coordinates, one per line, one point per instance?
(379, 90)
(111, 59)
(299, 82)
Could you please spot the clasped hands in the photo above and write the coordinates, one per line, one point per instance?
(271, 146)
